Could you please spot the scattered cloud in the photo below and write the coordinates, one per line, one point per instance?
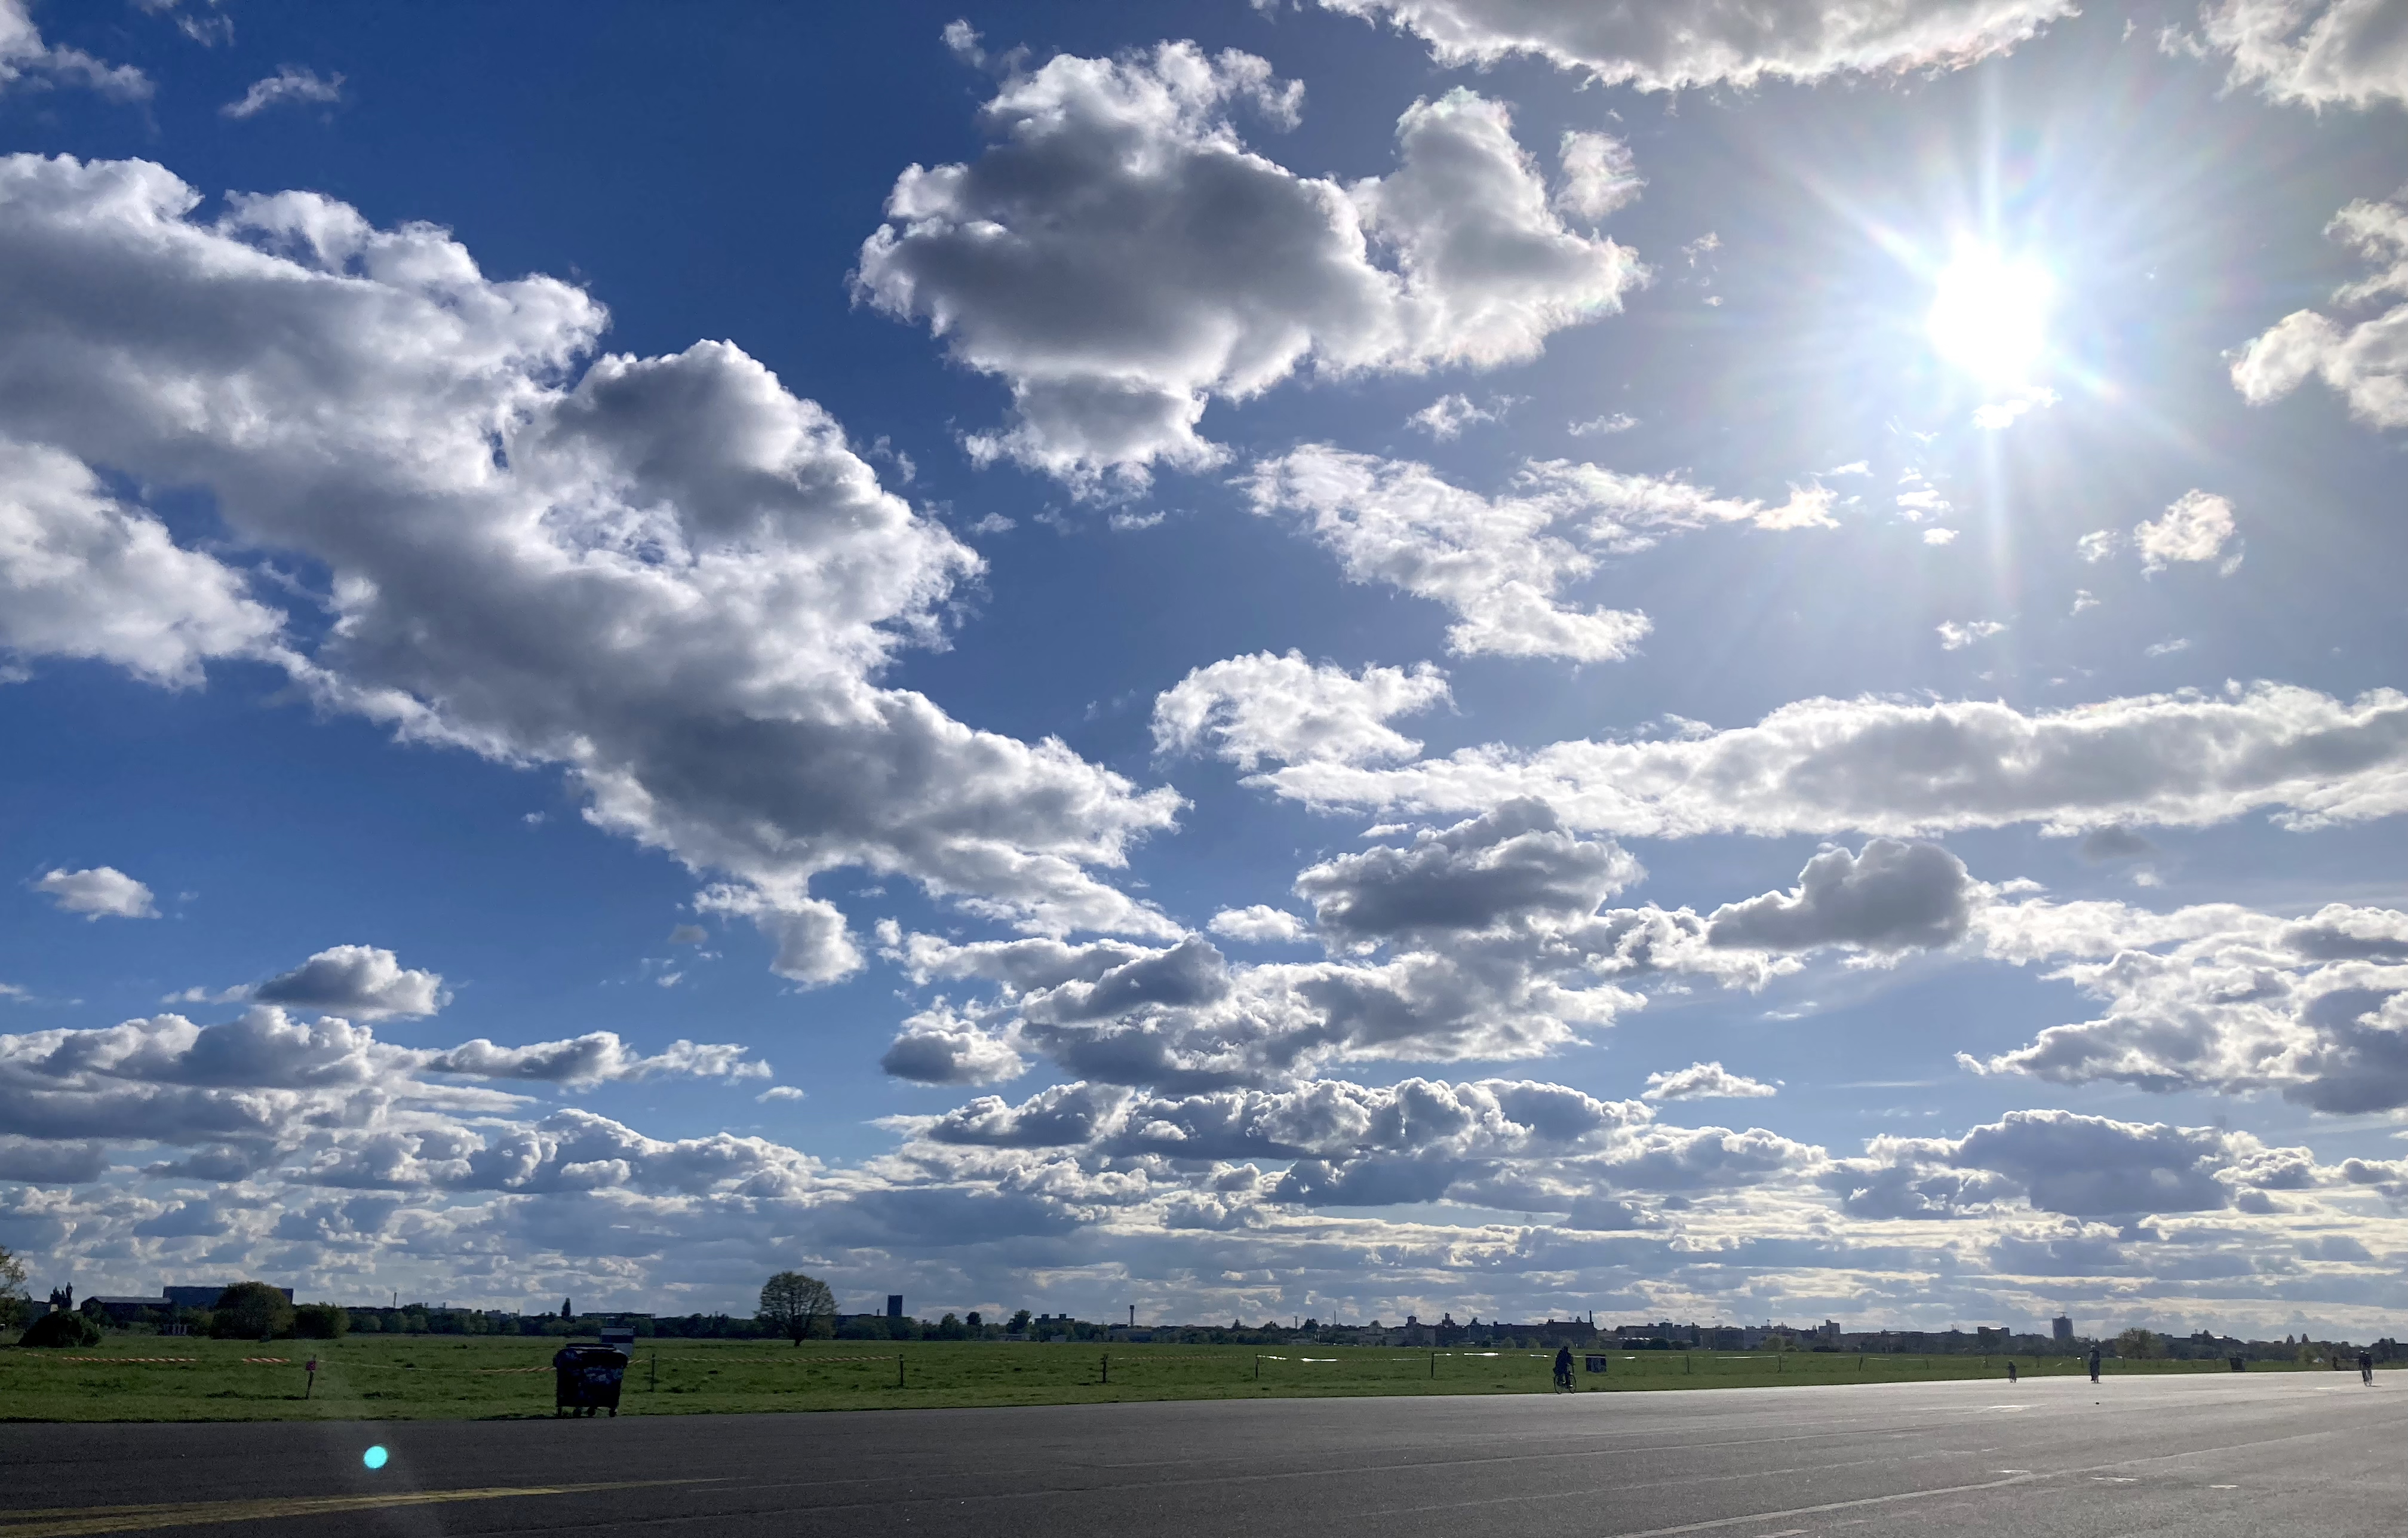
(2366, 362)
(2195, 528)
(1500, 563)
(1682, 44)
(1448, 416)
(1955, 636)
(1600, 176)
(1261, 705)
(292, 86)
(2314, 53)
(1618, 422)
(1704, 1082)
(101, 892)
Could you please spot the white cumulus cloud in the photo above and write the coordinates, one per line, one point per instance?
(1120, 257)
(2367, 361)
(1261, 705)
(1899, 768)
(668, 576)
(2195, 528)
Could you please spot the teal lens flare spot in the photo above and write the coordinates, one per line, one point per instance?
(374, 1458)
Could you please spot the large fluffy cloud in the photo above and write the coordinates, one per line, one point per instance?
(1893, 896)
(1500, 563)
(363, 981)
(2316, 53)
(2062, 1163)
(1511, 865)
(2366, 362)
(1895, 767)
(1120, 257)
(2222, 999)
(667, 575)
(1666, 45)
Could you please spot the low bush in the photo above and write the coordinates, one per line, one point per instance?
(61, 1329)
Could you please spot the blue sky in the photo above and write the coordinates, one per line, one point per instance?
(1327, 658)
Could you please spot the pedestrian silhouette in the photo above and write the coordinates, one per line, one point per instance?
(2011, 1372)
(2366, 1368)
(2094, 1364)
(1564, 1368)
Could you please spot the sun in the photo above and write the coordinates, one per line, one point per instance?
(1989, 315)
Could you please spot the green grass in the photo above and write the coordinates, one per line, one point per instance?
(441, 1377)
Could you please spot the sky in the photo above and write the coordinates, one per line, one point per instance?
(1319, 657)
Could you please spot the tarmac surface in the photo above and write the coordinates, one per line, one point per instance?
(2204, 1455)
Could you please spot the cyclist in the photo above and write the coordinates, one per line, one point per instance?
(1564, 1369)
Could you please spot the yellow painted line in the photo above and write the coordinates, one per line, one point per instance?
(75, 1521)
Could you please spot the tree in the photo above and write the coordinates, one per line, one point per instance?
(564, 1311)
(2138, 1344)
(14, 1303)
(63, 1328)
(321, 1321)
(1019, 1324)
(251, 1311)
(793, 1305)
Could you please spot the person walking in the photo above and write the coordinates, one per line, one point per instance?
(2366, 1368)
(1564, 1369)
(2011, 1372)
(2094, 1364)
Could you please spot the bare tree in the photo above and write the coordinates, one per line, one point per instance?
(792, 1303)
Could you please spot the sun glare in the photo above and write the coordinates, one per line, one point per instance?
(1989, 315)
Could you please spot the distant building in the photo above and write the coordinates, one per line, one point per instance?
(2061, 1329)
(894, 1305)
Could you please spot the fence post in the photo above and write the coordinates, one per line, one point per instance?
(1107, 1367)
(898, 1367)
(656, 1387)
(1258, 1367)
(1433, 1367)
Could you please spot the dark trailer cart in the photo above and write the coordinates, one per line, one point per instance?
(586, 1378)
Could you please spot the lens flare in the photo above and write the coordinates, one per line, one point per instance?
(1989, 315)
(374, 1458)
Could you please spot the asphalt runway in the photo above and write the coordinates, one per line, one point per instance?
(2307, 1453)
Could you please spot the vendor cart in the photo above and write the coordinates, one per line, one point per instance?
(586, 1378)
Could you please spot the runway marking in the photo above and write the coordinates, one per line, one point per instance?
(77, 1521)
(2224, 1486)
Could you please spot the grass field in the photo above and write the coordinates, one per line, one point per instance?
(443, 1378)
